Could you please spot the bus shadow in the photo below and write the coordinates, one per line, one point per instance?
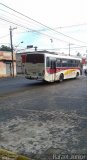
(44, 83)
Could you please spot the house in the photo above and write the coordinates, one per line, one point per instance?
(20, 64)
(6, 67)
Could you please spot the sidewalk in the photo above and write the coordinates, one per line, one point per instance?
(17, 76)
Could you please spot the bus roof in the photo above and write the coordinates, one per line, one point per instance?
(63, 56)
(55, 55)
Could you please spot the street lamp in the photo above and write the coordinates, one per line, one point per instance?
(19, 44)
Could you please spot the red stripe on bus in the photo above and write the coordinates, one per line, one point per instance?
(51, 71)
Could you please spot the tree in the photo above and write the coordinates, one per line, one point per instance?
(5, 48)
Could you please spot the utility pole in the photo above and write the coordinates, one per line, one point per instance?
(11, 29)
(70, 47)
(12, 51)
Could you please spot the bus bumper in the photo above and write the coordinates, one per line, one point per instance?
(34, 77)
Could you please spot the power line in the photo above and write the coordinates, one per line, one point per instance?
(15, 33)
(4, 43)
(41, 23)
(4, 36)
(14, 23)
(15, 16)
(69, 26)
(66, 48)
(32, 30)
(40, 30)
(74, 25)
(37, 32)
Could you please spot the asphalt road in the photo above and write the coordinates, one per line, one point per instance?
(11, 85)
(43, 120)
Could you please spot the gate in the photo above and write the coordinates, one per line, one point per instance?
(8, 69)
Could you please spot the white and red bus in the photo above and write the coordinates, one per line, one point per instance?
(51, 67)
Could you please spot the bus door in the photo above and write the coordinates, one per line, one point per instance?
(53, 70)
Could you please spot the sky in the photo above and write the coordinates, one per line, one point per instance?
(57, 25)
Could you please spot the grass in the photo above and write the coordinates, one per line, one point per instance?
(5, 154)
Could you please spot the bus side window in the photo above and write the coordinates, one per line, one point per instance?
(53, 64)
(58, 63)
(64, 62)
(47, 62)
(70, 63)
(75, 63)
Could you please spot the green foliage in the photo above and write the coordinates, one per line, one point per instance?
(5, 48)
(5, 154)
(22, 158)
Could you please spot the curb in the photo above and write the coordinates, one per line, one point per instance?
(17, 76)
(9, 155)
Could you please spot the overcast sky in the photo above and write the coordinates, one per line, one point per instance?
(67, 17)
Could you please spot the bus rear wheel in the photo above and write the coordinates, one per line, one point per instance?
(77, 74)
(61, 78)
